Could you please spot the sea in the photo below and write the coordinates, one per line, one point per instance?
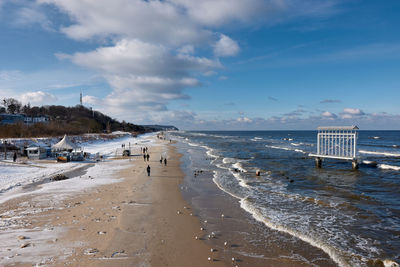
(351, 216)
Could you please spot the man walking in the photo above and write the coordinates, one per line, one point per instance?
(148, 170)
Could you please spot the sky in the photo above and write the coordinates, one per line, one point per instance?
(210, 64)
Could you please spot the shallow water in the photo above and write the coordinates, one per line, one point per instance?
(353, 216)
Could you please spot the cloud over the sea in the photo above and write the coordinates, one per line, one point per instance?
(147, 49)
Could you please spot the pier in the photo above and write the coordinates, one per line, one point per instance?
(337, 143)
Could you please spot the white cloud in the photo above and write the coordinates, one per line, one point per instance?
(143, 76)
(150, 21)
(328, 114)
(91, 100)
(226, 47)
(244, 119)
(353, 111)
(38, 98)
(151, 54)
(31, 15)
(350, 113)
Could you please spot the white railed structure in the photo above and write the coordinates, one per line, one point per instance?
(337, 143)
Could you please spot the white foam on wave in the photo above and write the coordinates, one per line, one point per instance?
(193, 144)
(215, 177)
(229, 160)
(210, 152)
(239, 178)
(388, 154)
(239, 166)
(333, 253)
(286, 148)
(388, 167)
(278, 147)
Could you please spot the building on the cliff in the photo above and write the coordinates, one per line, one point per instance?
(6, 118)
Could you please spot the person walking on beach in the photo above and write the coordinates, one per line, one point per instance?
(161, 159)
(148, 156)
(148, 170)
(165, 161)
(144, 157)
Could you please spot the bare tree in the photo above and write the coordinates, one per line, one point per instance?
(12, 105)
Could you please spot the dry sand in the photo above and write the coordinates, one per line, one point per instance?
(140, 221)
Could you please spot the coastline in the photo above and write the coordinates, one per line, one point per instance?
(134, 220)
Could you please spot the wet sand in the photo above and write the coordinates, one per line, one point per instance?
(139, 221)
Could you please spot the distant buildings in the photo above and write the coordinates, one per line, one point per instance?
(6, 118)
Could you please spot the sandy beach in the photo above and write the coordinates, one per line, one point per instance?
(138, 220)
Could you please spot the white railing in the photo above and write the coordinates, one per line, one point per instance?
(337, 142)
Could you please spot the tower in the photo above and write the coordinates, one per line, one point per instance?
(80, 99)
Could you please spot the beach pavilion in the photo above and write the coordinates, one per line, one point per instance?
(64, 145)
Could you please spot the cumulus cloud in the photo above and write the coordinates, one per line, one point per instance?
(91, 100)
(150, 21)
(150, 56)
(353, 111)
(143, 76)
(349, 113)
(226, 47)
(38, 98)
(329, 115)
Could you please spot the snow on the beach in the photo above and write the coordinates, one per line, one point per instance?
(49, 196)
(16, 175)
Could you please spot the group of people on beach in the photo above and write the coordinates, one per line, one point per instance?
(163, 159)
(146, 156)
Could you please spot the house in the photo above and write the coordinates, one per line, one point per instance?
(38, 119)
(6, 118)
(36, 151)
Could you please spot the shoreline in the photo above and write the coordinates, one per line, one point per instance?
(132, 221)
(253, 243)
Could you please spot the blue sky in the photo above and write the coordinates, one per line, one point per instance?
(208, 65)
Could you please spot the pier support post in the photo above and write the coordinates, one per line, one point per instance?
(318, 163)
(354, 164)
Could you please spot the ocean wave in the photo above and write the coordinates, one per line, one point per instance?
(388, 167)
(296, 144)
(286, 148)
(217, 179)
(387, 154)
(239, 166)
(193, 144)
(334, 254)
(278, 147)
(229, 160)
